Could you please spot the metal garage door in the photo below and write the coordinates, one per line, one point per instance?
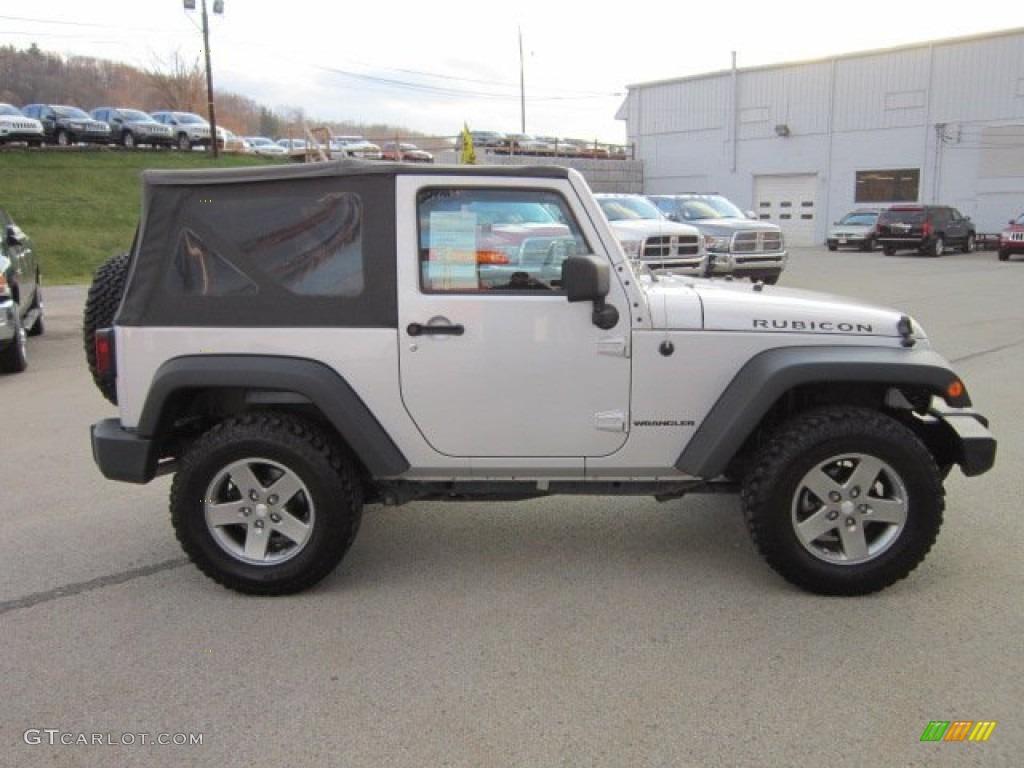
(788, 201)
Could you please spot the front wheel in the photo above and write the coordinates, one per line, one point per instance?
(843, 501)
(63, 138)
(1004, 255)
(128, 140)
(888, 250)
(266, 503)
(183, 143)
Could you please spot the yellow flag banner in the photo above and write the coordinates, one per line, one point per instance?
(468, 154)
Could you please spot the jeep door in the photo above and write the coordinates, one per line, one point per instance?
(495, 362)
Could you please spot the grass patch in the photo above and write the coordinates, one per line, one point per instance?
(81, 206)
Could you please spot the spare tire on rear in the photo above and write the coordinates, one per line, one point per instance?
(101, 304)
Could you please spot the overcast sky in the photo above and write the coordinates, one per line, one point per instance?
(431, 66)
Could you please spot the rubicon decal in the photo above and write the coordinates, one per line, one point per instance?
(822, 326)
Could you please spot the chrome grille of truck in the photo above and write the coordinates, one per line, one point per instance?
(757, 242)
(669, 247)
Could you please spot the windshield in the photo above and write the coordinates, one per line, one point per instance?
(136, 115)
(71, 112)
(190, 119)
(7, 109)
(710, 207)
(511, 212)
(628, 209)
(860, 218)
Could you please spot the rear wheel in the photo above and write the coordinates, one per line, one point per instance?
(968, 246)
(266, 503)
(938, 247)
(888, 250)
(843, 501)
(1004, 255)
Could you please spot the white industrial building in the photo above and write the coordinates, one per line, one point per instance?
(802, 143)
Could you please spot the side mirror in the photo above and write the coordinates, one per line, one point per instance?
(588, 278)
(14, 235)
(585, 278)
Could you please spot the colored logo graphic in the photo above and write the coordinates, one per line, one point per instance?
(958, 730)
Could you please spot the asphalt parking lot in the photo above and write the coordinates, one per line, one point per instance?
(557, 632)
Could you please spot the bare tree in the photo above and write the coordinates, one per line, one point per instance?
(178, 85)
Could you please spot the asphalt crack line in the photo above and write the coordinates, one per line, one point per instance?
(983, 352)
(80, 587)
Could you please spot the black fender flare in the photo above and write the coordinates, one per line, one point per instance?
(312, 381)
(767, 376)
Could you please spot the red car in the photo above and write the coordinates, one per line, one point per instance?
(408, 153)
(1011, 239)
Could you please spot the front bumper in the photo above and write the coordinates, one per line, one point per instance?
(752, 265)
(971, 445)
(122, 454)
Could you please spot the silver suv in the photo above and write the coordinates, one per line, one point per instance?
(343, 333)
(190, 130)
(737, 245)
(133, 127)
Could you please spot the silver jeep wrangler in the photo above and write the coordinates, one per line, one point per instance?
(296, 342)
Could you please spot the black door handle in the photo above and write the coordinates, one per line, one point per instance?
(417, 329)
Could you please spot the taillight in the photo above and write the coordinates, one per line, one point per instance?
(103, 344)
(926, 228)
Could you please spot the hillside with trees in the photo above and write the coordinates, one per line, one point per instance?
(32, 75)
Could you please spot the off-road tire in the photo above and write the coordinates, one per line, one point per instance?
(895, 517)
(247, 541)
(101, 304)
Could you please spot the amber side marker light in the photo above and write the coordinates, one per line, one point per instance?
(955, 389)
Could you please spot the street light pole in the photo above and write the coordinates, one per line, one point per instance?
(218, 7)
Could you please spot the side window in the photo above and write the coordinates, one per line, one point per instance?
(306, 240)
(494, 240)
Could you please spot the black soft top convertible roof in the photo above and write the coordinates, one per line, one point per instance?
(309, 244)
(349, 167)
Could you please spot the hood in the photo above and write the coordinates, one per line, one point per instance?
(638, 229)
(725, 305)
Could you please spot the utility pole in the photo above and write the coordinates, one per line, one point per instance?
(218, 7)
(522, 85)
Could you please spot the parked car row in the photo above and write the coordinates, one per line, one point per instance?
(544, 146)
(66, 125)
(927, 229)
